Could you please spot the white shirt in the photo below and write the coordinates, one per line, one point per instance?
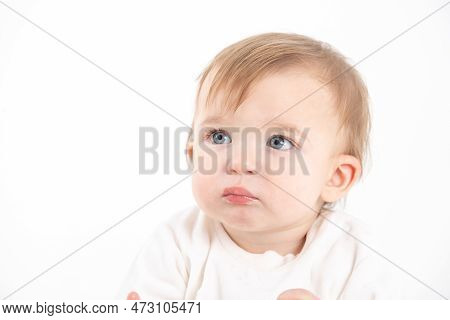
(192, 257)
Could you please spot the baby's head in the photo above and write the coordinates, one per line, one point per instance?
(285, 117)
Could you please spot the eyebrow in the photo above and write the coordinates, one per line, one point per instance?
(212, 119)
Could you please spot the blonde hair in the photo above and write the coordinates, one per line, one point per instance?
(239, 66)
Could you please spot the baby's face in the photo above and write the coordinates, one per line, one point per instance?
(285, 170)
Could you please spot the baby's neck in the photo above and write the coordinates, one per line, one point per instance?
(287, 241)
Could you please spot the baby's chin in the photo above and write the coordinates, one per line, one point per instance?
(239, 217)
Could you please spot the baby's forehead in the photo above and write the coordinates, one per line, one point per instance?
(290, 96)
(288, 83)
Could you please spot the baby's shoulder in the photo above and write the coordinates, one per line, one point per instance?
(347, 223)
(338, 230)
(189, 227)
(188, 219)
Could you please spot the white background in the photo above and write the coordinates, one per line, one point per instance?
(69, 132)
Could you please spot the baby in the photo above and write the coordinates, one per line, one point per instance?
(279, 135)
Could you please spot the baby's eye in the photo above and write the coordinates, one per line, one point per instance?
(220, 137)
(279, 143)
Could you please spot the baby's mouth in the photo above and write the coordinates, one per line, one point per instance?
(235, 199)
(238, 195)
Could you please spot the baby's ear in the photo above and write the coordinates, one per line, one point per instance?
(346, 171)
(189, 151)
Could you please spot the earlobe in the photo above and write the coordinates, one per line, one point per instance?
(346, 172)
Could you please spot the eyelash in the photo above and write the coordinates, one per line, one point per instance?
(208, 133)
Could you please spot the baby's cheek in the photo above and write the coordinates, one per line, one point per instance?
(294, 195)
(205, 159)
(202, 188)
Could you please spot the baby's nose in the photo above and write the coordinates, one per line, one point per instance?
(243, 158)
(241, 167)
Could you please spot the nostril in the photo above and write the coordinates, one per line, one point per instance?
(240, 165)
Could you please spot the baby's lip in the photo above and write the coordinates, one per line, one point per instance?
(238, 191)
